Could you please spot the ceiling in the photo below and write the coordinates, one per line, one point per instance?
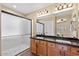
(25, 7)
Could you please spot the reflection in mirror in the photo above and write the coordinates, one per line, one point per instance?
(48, 28)
(40, 28)
(66, 25)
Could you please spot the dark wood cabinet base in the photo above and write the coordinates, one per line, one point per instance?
(44, 48)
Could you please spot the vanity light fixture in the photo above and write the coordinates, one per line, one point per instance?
(60, 7)
(70, 5)
(56, 8)
(42, 12)
(64, 5)
(45, 11)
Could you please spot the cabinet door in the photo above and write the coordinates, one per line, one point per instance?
(67, 51)
(41, 48)
(33, 45)
(52, 50)
(75, 51)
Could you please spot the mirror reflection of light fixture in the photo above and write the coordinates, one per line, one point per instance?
(61, 20)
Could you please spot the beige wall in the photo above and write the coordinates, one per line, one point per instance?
(32, 16)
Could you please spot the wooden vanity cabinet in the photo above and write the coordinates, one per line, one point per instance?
(52, 50)
(43, 48)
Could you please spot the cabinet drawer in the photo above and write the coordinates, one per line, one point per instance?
(59, 46)
(75, 50)
(41, 50)
(63, 47)
(51, 44)
(42, 42)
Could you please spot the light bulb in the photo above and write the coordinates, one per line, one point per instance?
(64, 5)
(56, 8)
(60, 7)
(69, 5)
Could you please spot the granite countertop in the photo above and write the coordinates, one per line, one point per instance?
(60, 40)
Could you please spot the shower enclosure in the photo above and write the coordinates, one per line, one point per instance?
(15, 34)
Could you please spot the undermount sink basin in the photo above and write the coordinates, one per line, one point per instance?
(63, 41)
(40, 37)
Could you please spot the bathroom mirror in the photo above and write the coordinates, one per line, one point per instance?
(66, 25)
(63, 26)
(49, 25)
(63, 23)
